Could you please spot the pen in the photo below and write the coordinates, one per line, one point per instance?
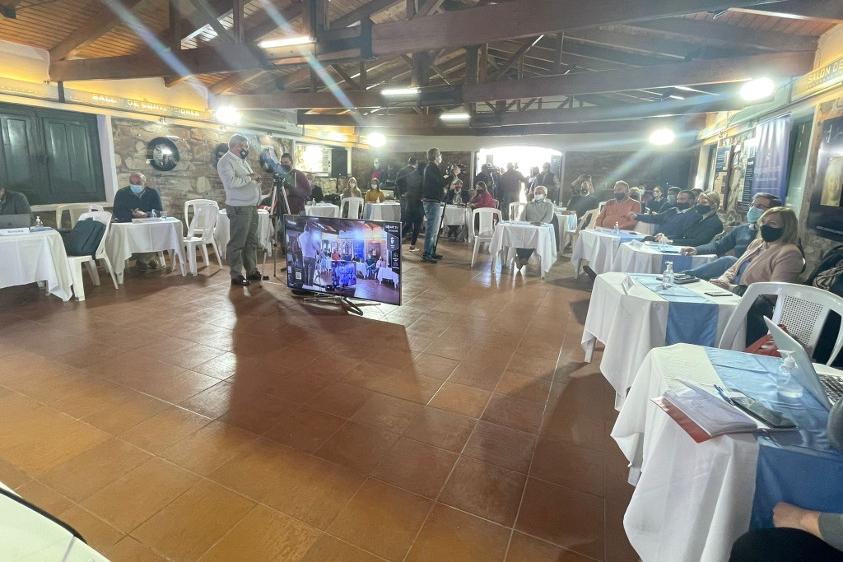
(722, 394)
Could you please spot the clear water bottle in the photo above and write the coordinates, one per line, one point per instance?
(38, 222)
(617, 230)
(163, 214)
(153, 214)
(788, 387)
(667, 276)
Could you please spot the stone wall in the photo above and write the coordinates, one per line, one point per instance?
(195, 176)
(634, 167)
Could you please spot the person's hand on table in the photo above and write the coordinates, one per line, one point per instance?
(662, 239)
(688, 251)
(138, 214)
(722, 283)
(793, 517)
(632, 216)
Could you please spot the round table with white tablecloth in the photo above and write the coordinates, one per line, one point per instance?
(651, 257)
(222, 232)
(322, 210)
(598, 247)
(456, 215)
(510, 235)
(386, 211)
(630, 321)
(388, 274)
(144, 236)
(30, 257)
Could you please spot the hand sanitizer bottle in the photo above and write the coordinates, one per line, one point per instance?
(788, 387)
(617, 230)
(153, 214)
(38, 223)
(667, 276)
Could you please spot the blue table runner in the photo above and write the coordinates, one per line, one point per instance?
(798, 467)
(691, 317)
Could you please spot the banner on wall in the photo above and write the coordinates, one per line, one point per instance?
(771, 153)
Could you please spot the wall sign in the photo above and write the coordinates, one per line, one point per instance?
(819, 79)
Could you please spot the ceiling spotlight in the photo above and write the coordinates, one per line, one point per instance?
(395, 92)
(286, 42)
(676, 97)
(662, 136)
(757, 89)
(455, 116)
(376, 140)
(228, 115)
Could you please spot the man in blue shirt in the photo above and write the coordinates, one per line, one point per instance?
(675, 220)
(733, 242)
(136, 200)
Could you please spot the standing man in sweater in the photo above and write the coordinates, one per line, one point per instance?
(433, 193)
(242, 193)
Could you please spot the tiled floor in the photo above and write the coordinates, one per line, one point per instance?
(180, 419)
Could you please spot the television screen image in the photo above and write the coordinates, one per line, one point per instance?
(824, 215)
(344, 257)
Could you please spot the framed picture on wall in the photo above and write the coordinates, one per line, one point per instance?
(825, 216)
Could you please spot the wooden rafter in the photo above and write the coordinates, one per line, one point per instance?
(828, 10)
(97, 26)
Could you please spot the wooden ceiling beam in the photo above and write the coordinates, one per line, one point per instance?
(731, 35)
(363, 12)
(193, 22)
(642, 126)
(96, 26)
(675, 74)
(828, 10)
(209, 17)
(305, 100)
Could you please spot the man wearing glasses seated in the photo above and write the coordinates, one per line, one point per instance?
(733, 242)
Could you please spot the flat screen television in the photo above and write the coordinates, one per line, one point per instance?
(348, 258)
(826, 215)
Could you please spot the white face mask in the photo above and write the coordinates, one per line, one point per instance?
(540, 196)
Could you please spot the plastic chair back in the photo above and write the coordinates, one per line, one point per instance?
(351, 207)
(76, 210)
(484, 227)
(588, 220)
(204, 219)
(105, 218)
(802, 309)
(515, 210)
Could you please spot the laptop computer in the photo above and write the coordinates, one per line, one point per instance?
(15, 221)
(827, 389)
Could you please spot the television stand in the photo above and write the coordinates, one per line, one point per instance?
(343, 302)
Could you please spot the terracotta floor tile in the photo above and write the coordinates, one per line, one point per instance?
(96, 532)
(461, 399)
(485, 490)
(254, 410)
(129, 549)
(449, 534)
(340, 399)
(501, 446)
(44, 497)
(477, 376)
(618, 548)
(263, 534)
(381, 519)
(330, 549)
(304, 428)
(121, 416)
(528, 549)
(565, 517)
(515, 386)
(134, 498)
(209, 448)
(12, 476)
(416, 467)
(253, 471)
(168, 427)
(441, 429)
(387, 412)
(358, 446)
(568, 465)
(415, 388)
(84, 474)
(194, 521)
(524, 415)
(212, 402)
(434, 366)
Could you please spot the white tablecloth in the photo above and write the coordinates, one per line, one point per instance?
(387, 273)
(510, 235)
(597, 247)
(222, 233)
(631, 325)
(387, 211)
(36, 256)
(127, 238)
(634, 257)
(567, 226)
(645, 228)
(691, 500)
(456, 216)
(322, 210)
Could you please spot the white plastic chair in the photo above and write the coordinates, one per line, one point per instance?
(75, 262)
(802, 309)
(76, 210)
(351, 207)
(515, 210)
(483, 228)
(200, 231)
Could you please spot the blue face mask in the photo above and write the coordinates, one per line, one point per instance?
(136, 189)
(753, 214)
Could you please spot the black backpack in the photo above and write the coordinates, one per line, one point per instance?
(84, 239)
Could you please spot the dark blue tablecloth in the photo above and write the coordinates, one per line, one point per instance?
(691, 317)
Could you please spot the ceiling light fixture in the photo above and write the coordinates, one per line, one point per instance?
(394, 92)
(757, 89)
(662, 136)
(376, 140)
(286, 42)
(455, 116)
(676, 97)
(228, 115)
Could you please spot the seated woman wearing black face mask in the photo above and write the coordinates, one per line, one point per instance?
(773, 256)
